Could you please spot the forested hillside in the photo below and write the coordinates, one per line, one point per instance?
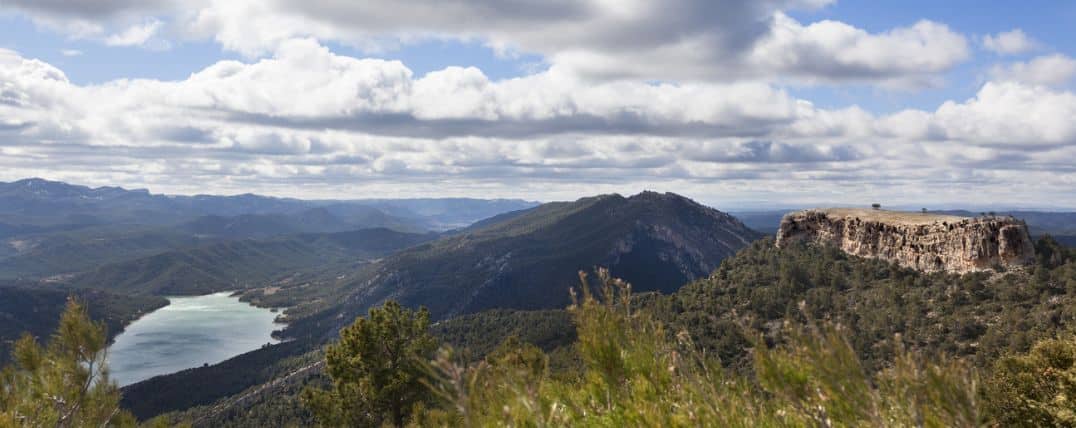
(883, 310)
(235, 265)
(31, 309)
(528, 260)
(978, 316)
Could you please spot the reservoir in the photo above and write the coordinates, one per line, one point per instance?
(189, 332)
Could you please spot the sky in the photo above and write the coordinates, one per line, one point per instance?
(737, 103)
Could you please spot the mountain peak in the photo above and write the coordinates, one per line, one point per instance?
(529, 259)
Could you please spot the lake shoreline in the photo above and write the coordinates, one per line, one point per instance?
(189, 332)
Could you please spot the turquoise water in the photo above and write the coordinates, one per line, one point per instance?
(189, 332)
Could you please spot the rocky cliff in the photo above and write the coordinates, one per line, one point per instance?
(922, 241)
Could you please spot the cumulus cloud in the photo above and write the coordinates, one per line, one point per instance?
(1052, 70)
(87, 9)
(92, 19)
(1014, 114)
(139, 35)
(383, 97)
(238, 125)
(681, 40)
(831, 50)
(685, 40)
(1010, 42)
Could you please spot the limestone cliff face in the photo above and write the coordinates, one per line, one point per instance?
(926, 242)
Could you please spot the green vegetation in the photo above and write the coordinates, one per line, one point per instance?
(638, 373)
(775, 337)
(526, 260)
(28, 308)
(1037, 388)
(376, 369)
(975, 316)
(64, 384)
(886, 312)
(242, 264)
(65, 252)
(480, 334)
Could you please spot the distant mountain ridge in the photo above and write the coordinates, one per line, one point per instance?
(56, 202)
(51, 228)
(529, 259)
(40, 202)
(313, 220)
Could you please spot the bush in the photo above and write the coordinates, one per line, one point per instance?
(1037, 388)
(638, 374)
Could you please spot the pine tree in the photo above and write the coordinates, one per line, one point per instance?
(377, 369)
(65, 384)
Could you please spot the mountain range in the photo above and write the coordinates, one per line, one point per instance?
(32, 204)
(525, 259)
(50, 228)
(486, 270)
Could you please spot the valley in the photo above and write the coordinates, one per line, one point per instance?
(257, 295)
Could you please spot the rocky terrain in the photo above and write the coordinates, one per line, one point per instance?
(922, 241)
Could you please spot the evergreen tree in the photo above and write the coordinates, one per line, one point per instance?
(377, 369)
(65, 384)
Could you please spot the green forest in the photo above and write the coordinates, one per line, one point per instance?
(797, 336)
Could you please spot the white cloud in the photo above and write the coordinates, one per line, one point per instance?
(1011, 114)
(83, 9)
(835, 51)
(143, 35)
(240, 126)
(1052, 70)
(100, 20)
(681, 40)
(1010, 42)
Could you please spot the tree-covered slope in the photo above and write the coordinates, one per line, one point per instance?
(978, 316)
(234, 265)
(313, 220)
(529, 260)
(66, 252)
(36, 310)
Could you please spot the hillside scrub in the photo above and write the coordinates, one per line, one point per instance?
(638, 374)
(979, 317)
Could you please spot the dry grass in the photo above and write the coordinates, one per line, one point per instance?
(893, 217)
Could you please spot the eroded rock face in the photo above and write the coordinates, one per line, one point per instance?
(926, 242)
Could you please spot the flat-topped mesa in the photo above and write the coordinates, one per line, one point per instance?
(922, 241)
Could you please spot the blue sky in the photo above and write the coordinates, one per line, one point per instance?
(1049, 22)
(99, 63)
(724, 100)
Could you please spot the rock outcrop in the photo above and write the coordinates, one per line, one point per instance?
(922, 241)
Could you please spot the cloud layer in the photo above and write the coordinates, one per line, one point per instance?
(307, 116)
(688, 95)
